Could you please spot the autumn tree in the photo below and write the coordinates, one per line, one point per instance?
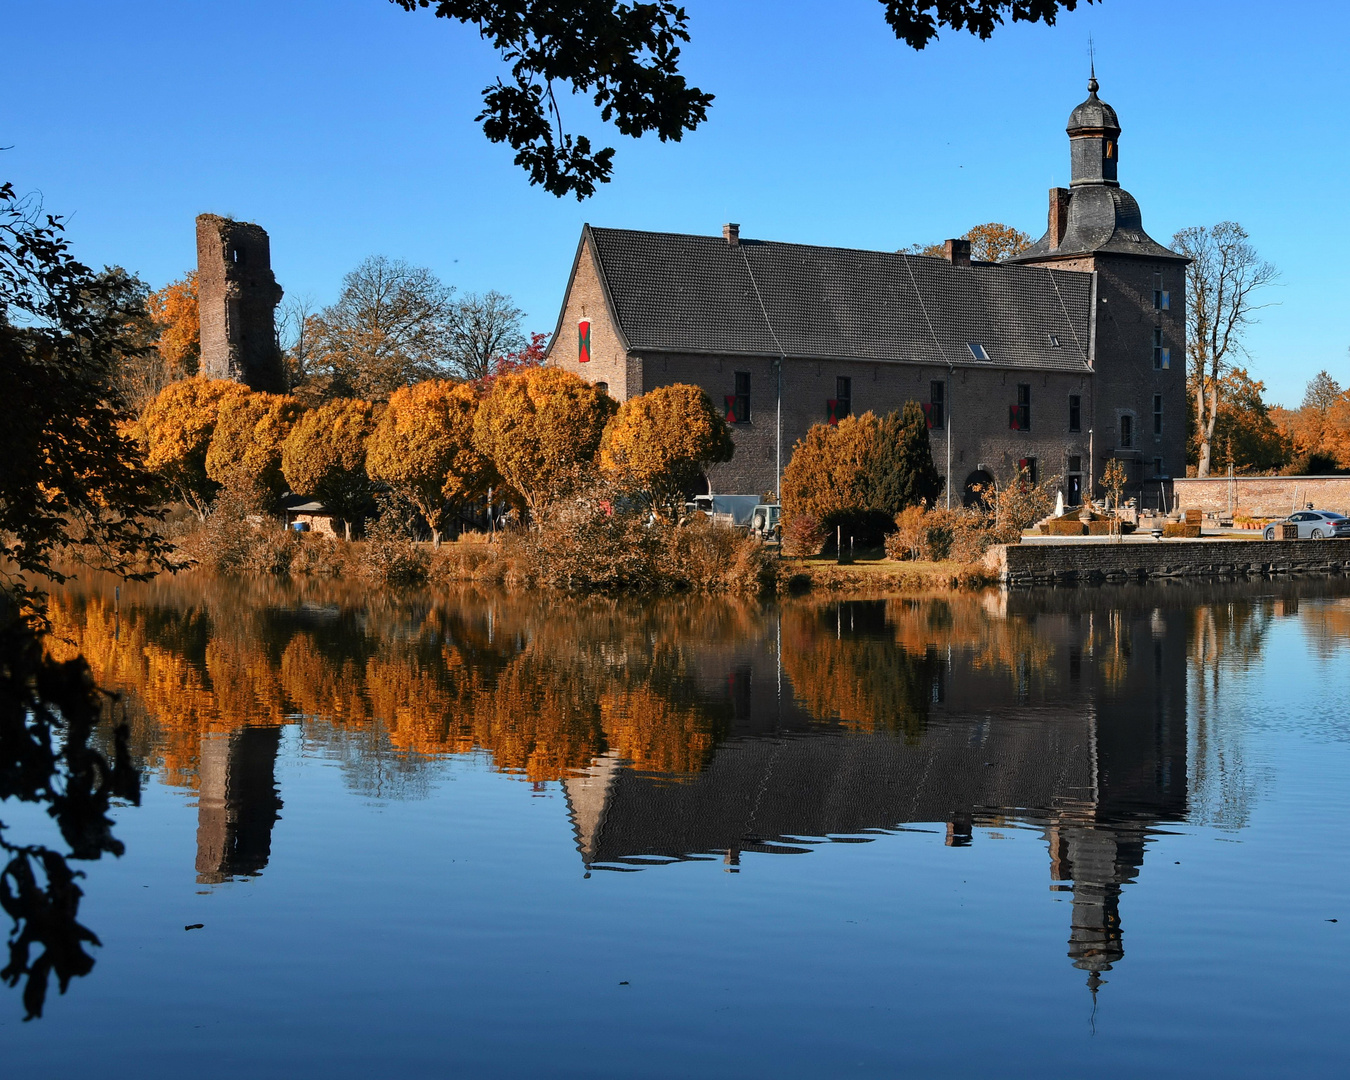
(531, 355)
(900, 469)
(1221, 278)
(387, 329)
(1246, 435)
(480, 332)
(245, 449)
(991, 242)
(174, 309)
(540, 427)
(324, 456)
(661, 442)
(624, 59)
(176, 430)
(827, 478)
(423, 449)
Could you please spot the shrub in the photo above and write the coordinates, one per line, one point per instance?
(390, 556)
(1065, 527)
(802, 536)
(1178, 530)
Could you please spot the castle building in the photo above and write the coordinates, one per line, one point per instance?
(237, 297)
(1055, 362)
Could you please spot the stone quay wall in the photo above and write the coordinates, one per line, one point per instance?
(1261, 496)
(1053, 564)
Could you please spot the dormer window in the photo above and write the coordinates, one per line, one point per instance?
(978, 351)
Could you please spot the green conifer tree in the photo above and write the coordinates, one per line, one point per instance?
(900, 472)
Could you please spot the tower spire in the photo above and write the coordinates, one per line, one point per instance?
(1092, 66)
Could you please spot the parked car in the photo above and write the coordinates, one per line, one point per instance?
(765, 523)
(1312, 525)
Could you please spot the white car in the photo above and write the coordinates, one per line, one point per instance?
(1312, 525)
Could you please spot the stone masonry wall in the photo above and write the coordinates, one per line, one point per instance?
(237, 296)
(1262, 496)
(1045, 564)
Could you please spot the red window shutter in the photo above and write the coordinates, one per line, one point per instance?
(584, 340)
(731, 408)
(927, 407)
(1012, 417)
(832, 410)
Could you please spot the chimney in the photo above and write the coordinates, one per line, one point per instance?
(1059, 216)
(731, 233)
(956, 252)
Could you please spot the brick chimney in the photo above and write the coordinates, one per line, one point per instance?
(1059, 216)
(731, 233)
(956, 252)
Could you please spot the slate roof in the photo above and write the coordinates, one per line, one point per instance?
(673, 292)
(1102, 218)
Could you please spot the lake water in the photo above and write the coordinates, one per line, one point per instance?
(1061, 833)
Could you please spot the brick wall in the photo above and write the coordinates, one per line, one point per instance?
(237, 296)
(610, 362)
(1262, 496)
(1043, 564)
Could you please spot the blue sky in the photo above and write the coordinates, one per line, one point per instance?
(345, 127)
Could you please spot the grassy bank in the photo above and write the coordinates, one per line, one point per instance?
(879, 575)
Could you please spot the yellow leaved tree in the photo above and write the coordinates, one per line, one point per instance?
(324, 456)
(660, 443)
(176, 430)
(245, 449)
(423, 449)
(540, 427)
(174, 310)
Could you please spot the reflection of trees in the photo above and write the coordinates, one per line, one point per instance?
(542, 695)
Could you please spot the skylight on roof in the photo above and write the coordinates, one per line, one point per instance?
(1054, 340)
(977, 350)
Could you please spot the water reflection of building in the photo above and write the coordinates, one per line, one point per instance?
(237, 803)
(1081, 734)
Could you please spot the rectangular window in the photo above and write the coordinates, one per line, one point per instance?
(1126, 431)
(1075, 463)
(843, 395)
(738, 404)
(1162, 300)
(1157, 348)
(1026, 467)
(1020, 414)
(1075, 412)
(1158, 467)
(1054, 340)
(977, 350)
(1157, 414)
(937, 404)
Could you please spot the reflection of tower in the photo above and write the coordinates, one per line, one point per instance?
(588, 795)
(238, 803)
(1099, 860)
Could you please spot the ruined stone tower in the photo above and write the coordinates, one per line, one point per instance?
(237, 298)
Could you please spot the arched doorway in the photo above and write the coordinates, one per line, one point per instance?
(979, 485)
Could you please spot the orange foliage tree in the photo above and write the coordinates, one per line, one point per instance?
(540, 427)
(174, 309)
(423, 448)
(245, 449)
(325, 456)
(660, 443)
(176, 431)
(991, 242)
(826, 478)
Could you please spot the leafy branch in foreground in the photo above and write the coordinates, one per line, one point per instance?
(625, 58)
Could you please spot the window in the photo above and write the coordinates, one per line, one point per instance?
(1157, 414)
(977, 350)
(1162, 300)
(1158, 467)
(237, 256)
(603, 387)
(1075, 412)
(1054, 340)
(841, 405)
(1019, 418)
(1026, 467)
(1075, 463)
(738, 404)
(1162, 358)
(937, 404)
(1126, 431)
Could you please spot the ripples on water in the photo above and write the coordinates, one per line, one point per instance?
(965, 835)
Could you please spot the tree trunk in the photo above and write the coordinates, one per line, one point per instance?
(347, 529)
(436, 539)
